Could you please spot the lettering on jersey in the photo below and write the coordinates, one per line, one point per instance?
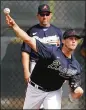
(54, 65)
(50, 39)
(64, 72)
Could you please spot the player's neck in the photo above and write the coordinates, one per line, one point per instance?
(67, 52)
(45, 25)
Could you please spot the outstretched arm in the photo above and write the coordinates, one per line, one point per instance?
(43, 51)
(20, 33)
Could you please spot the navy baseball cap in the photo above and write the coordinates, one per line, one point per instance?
(43, 8)
(70, 33)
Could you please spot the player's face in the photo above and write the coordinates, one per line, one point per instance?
(44, 18)
(71, 43)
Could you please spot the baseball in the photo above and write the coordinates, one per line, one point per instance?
(6, 10)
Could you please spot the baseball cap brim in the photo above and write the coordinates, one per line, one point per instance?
(73, 36)
(71, 33)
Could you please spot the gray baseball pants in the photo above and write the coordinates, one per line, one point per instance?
(35, 97)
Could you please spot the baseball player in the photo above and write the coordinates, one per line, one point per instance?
(44, 32)
(59, 65)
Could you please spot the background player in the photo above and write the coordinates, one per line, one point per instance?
(44, 32)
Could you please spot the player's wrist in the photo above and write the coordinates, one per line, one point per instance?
(27, 76)
(72, 98)
(27, 80)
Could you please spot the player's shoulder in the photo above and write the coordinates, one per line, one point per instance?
(55, 27)
(75, 62)
(56, 49)
(33, 28)
(57, 30)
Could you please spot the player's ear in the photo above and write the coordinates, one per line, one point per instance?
(51, 14)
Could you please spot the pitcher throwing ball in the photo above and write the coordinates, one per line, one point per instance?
(59, 65)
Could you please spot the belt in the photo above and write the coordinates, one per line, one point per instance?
(38, 87)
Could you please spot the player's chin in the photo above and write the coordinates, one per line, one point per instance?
(73, 48)
(45, 23)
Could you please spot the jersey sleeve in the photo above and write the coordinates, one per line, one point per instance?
(25, 47)
(44, 50)
(75, 81)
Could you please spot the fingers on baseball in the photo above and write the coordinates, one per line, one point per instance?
(9, 20)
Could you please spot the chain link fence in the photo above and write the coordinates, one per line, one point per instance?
(66, 14)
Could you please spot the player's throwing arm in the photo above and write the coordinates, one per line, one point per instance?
(19, 32)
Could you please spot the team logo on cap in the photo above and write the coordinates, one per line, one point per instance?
(45, 7)
(72, 33)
